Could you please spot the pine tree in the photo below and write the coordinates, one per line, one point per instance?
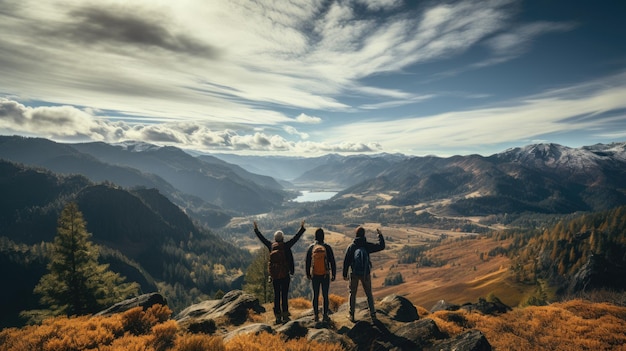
(76, 284)
(257, 277)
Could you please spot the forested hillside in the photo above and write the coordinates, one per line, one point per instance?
(581, 254)
(142, 235)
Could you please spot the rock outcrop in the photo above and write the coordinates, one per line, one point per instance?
(145, 301)
(397, 327)
(233, 308)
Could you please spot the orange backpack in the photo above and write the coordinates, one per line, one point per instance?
(320, 262)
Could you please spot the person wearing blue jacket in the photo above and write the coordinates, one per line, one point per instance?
(357, 263)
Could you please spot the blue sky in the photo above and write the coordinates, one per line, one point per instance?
(310, 77)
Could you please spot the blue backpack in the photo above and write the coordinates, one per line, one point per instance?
(361, 263)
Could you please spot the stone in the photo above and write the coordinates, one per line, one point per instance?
(471, 340)
(145, 301)
(398, 308)
(254, 329)
(234, 307)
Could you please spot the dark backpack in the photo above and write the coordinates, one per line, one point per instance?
(277, 266)
(361, 263)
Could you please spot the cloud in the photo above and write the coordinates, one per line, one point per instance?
(304, 118)
(227, 75)
(518, 40)
(55, 121)
(115, 25)
(595, 107)
(66, 124)
(293, 131)
(236, 59)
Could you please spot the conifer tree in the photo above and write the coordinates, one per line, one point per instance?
(257, 277)
(76, 284)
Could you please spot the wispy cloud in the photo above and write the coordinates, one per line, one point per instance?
(228, 75)
(597, 107)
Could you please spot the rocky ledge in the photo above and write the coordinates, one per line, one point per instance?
(397, 326)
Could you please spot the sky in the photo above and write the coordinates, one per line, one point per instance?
(311, 77)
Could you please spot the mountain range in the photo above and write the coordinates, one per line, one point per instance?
(544, 178)
(150, 207)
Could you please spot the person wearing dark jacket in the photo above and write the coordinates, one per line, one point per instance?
(361, 274)
(320, 276)
(281, 285)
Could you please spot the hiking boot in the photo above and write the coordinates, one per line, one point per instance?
(278, 321)
(286, 317)
(316, 318)
(326, 318)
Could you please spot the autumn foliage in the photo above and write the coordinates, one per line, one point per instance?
(564, 326)
(572, 325)
(136, 329)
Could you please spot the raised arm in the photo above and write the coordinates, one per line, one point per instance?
(378, 246)
(265, 242)
(296, 237)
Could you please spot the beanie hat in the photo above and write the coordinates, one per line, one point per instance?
(360, 232)
(278, 236)
(319, 235)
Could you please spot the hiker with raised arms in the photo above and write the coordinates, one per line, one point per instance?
(281, 267)
(357, 263)
(321, 269)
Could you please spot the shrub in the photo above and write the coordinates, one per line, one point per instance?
(266, 341)
(198, 342)
(300, 303)
(335, 301)
(394, 278)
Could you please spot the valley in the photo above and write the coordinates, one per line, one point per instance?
(457, 229)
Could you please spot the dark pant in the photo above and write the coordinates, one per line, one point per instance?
(281, 290)
(366, 281)
(324, 282)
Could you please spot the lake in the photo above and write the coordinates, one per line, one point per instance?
(310, 196)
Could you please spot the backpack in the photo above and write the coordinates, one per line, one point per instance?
(320, 261)
(277, 265)
(361, 263)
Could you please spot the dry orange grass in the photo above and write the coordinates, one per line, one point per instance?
(335, 301)
(300, 303)
(137, 330)
(566, 326)
(265, 341)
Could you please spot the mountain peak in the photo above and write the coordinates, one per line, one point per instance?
(136, 146)
(552, 156)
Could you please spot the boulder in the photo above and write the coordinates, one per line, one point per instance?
(294, 329)
(233, 307)
(398, 308)
(443, 305)
(145, 301)
(330, 336)
(364, 334)
(418, 334)
(487, 307)
(471, 340)
(255, 329)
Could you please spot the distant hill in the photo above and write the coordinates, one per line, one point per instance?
(328, 171)
(212, 190)
(211, 181)
(343, 172)
(544, 178)
(143, 235)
